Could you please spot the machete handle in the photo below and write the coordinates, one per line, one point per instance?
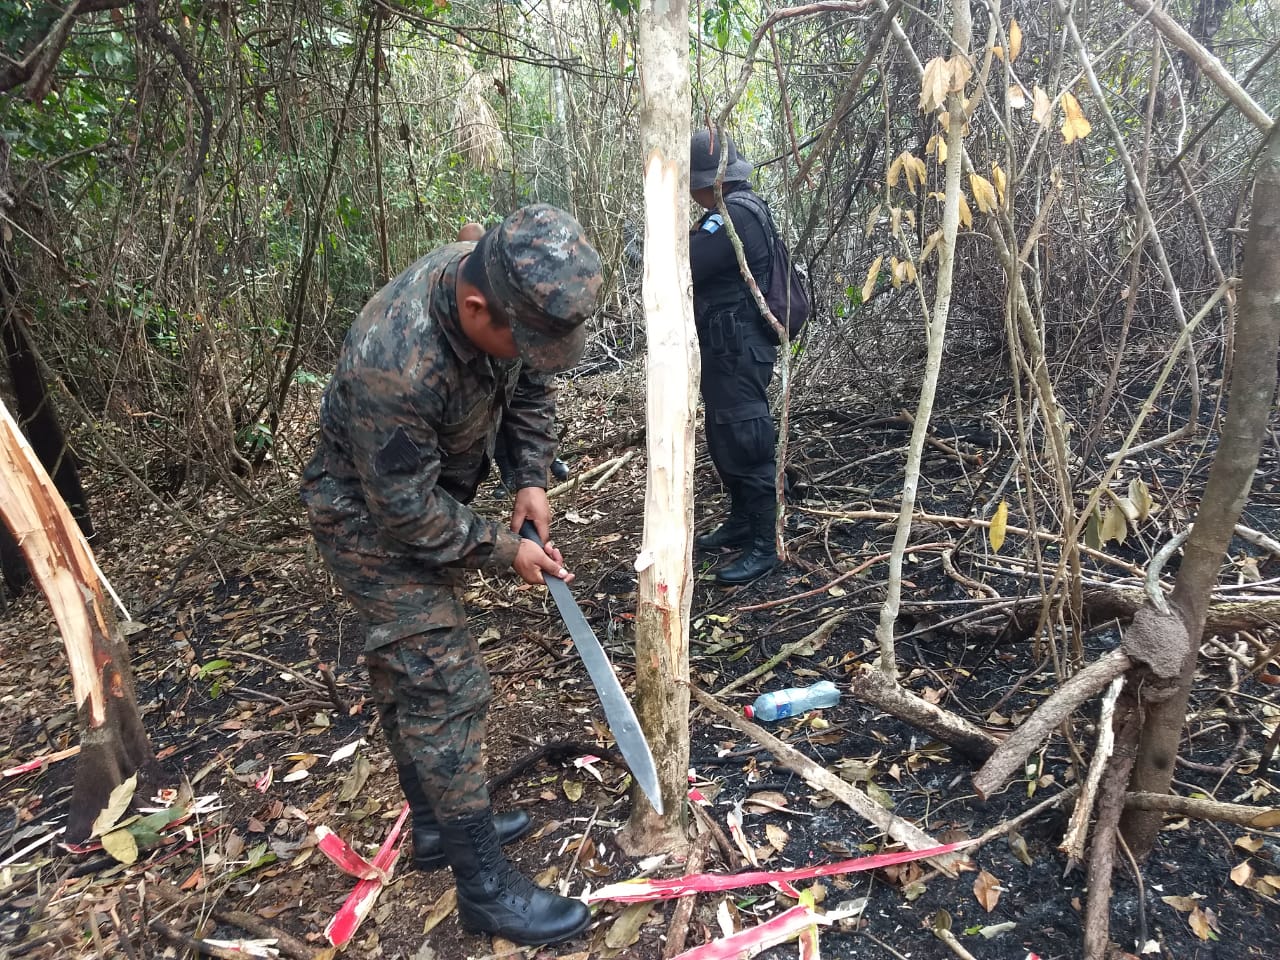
(530, 532)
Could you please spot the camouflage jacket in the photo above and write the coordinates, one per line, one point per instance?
(407, 428)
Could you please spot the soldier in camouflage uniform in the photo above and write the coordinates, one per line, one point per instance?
(459, 346)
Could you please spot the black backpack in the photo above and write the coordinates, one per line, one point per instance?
(784, 290)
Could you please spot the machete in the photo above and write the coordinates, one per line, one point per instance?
(617, 708)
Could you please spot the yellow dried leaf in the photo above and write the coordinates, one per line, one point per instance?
(984, 193)
(1249, 842)
(869, 285)
(1015, 40)
(986, 888)
(1074, 125)
(1266, 821)
(1241, 874)
(121, 845)
(573, 790)
(999, 524)
(958, 73)
(966, 215)
(999, 179)
(912, 166)
(895, 171)
(895, 272)
(873, 219)
(903, 271)
(937, 144)
(1203, 923)
(930, 244)
(776, 836)
(1140, 495)
(1181, 904)
(998, 52)
(1017, 96)
(1042, 109)
(1114, 525)
(934, 83)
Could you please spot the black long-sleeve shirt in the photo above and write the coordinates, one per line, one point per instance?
(712, 260)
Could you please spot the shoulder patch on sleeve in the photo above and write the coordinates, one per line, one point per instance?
(398, 455)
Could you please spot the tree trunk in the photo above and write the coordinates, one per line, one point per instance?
(113, 743)
(665, 564)
(1253, 386)
(935, 334)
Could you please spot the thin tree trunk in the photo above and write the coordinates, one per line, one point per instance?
(1253, 387)
(113, 743)
(935, 329)
(665, 564)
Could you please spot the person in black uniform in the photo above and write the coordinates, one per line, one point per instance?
(738, 354)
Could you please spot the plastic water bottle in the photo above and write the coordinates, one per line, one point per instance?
(779, 704)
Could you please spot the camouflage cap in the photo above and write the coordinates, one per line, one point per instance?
(545, 276)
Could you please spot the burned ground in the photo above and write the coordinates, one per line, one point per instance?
(230, 646)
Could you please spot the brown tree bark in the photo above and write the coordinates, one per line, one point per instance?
(113, 743)
(666, 566)
(1253, 387)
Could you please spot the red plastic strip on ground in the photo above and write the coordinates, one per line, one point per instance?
(344, 858)
(642, 891)
(747, 943)
(39, 762)
(347, 920)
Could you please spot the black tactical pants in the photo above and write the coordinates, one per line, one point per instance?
(737, 365)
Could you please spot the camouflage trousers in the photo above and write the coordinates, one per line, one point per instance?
(426, 671)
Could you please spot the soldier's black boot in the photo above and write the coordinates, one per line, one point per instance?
(759, 558)
(495, 898)
(428, 853)
(734, 532)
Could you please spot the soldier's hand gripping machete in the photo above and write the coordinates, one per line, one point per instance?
(617, 708)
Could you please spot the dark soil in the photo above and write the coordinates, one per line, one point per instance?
(221, 727)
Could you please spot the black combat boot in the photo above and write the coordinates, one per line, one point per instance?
(734, 532)
(495, 898)
(759, 558)
(428, 854)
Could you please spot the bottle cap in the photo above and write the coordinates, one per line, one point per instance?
(749, 711)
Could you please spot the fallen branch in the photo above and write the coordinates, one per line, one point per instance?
(1097, 912)
(595, 471)
(946, 936)
(678, 929)
(811, 643)
(1073, 841)
(873, 687)
(207, 948)
(287, 944)
(819, 776)
(1257, 818)
(1010, 756)
(1010, 825)
(856, 515)
(621, 462)
(847, 575)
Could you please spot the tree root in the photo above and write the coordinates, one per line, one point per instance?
(873, 687)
